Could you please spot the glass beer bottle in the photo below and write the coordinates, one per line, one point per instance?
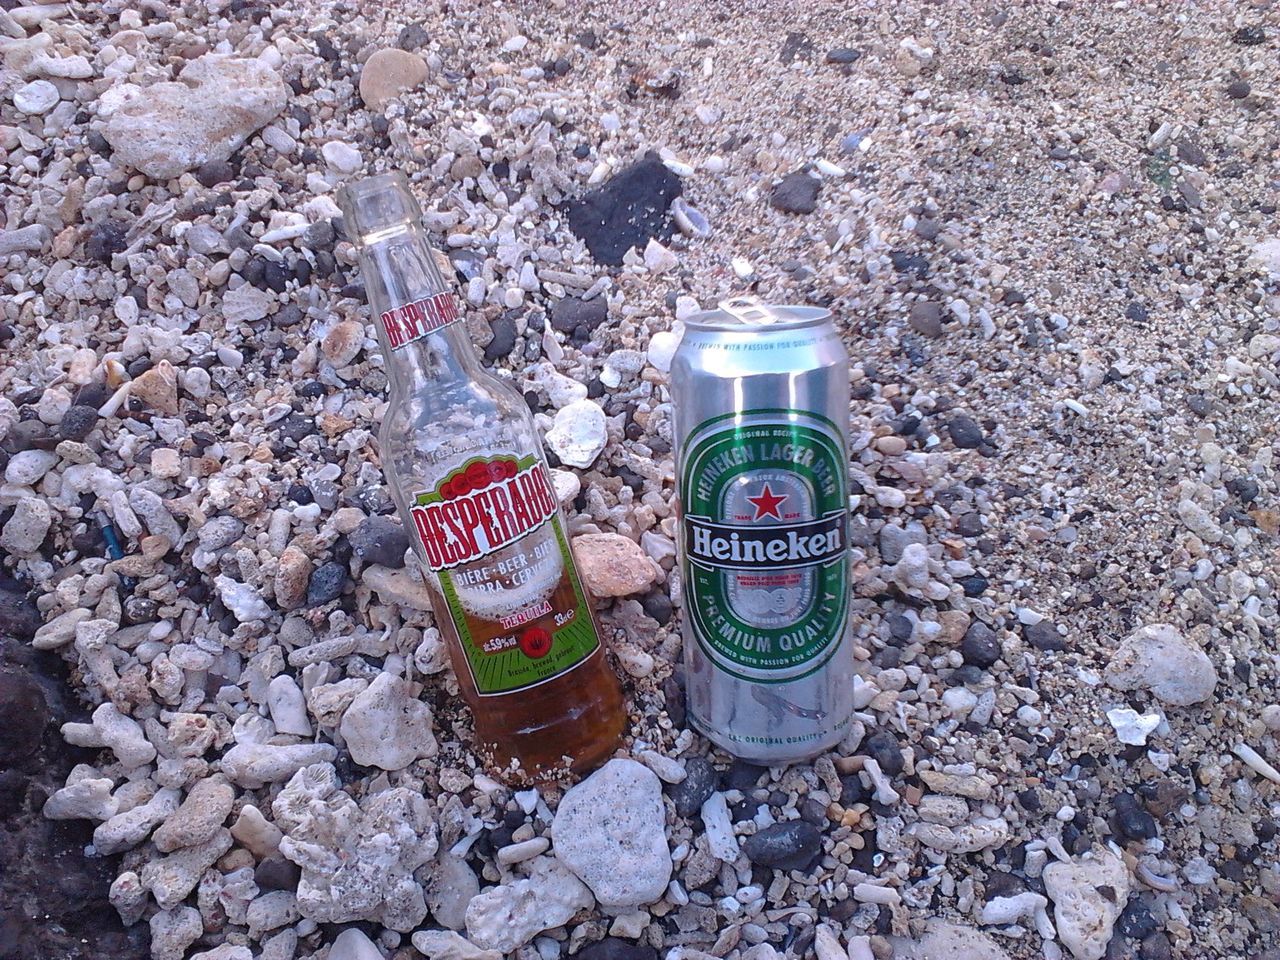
(464, 462)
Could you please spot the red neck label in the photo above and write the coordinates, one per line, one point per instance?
(483, 506)
(413, 321)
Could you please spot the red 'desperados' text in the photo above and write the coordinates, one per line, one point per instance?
(465, 528)
(413, 321)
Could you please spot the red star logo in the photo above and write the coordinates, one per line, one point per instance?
(767, 503)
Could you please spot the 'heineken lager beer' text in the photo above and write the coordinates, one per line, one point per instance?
(761, 395)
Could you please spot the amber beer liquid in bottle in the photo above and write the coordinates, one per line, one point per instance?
(465, 466)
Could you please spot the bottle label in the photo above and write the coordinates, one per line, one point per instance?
(491, 532)
(410, 322)
(765, 542)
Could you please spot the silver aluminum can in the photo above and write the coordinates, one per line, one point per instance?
(761, 402)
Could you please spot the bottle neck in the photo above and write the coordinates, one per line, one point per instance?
(424, 341)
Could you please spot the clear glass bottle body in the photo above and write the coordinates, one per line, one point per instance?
(464, 463)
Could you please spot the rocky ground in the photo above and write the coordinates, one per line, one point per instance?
(1050, 234)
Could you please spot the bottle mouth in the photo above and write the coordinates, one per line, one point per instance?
(373, 206)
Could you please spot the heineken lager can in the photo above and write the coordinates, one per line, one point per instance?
(761, 401)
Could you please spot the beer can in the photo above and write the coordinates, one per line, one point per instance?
(760, 396)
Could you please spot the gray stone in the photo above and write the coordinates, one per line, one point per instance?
(796, 193)
(609, 831)
(1160, 659)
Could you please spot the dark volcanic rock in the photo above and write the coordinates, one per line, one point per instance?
(106, 239)
(627, 210)
(786, 846)
(965, 433)
(78, 422)
(380, 540)
(882, 747)
(504, 336)
(19, 617)
(981, 646)
(796, 193)
(611, 948)
(1044, 636)
(1130, 821)
(23, 716)
(571, 314)
(699, 783)
(326, 584)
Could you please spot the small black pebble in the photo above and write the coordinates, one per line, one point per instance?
(981, 646)
(699, 783)
(882, 747)
(327, 583)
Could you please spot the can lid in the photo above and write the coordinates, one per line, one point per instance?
(747, 313)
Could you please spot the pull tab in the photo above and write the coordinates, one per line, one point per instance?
(750, 311)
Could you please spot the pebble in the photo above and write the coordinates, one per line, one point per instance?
(658, 259)
(577, 316)
(981, 646)
(612, 565)
(883, 748)
(1160, 659)
(925, 318)
(199, 817)
(37, 97)
(386, 726)
(796, 193)
(698, 784)
(447, 945)
(452, 885)
(506, 917)
(380, 540)
(792, 845)
(352, 944)
(342, 344)
(29, 239)
(28, 466)
(288, 707)
(662, 349)
(1131, 821)
(943, 940)
(609, 830)
(721, 840)
(326, 584)
(157, 388)
(1132, 727)
(242, 600)
(342, 157)
(26, 529)
(1089, 895)
(894, 539)
(1044, 636)
(965, 433)
(611, 948)
(389, 73)
(579, 433)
